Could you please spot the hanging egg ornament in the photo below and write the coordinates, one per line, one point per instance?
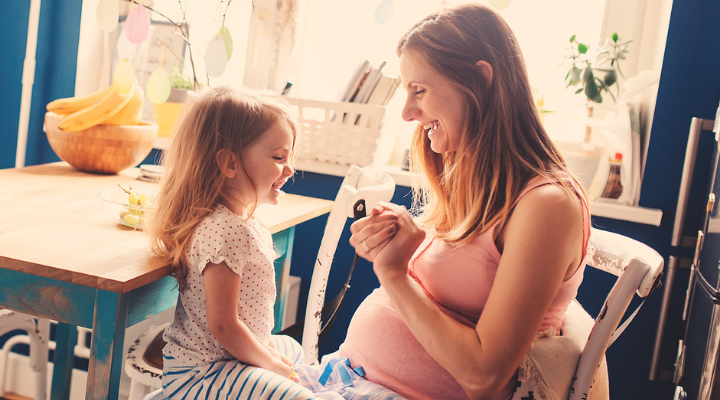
(158, 86)
(125, 48)
(227, 40)
(215, 57)
(124, 76)
(107, 14)
(384, 11)
(500, 4)
(137, 24)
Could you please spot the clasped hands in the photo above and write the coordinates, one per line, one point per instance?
(388, 237)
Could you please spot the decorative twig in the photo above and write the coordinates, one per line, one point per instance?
(185, 31)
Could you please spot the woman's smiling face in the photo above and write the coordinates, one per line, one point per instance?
(433, 101)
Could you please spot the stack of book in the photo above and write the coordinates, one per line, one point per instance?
(369, 86)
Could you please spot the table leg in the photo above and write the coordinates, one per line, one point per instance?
(284, 245)
(65, 339)
(108, 338)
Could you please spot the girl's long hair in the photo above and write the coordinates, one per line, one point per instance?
(192, 185)
(503, 145)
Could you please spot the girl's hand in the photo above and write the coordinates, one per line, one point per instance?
(282, 368)
(285, 360)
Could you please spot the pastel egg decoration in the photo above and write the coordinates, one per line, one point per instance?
(158, 86)
(125, 48)
(137, 24)
(384, 11)
(215, 57)
(227, 40)
(107, 14)
(500, 4)
(124, 76)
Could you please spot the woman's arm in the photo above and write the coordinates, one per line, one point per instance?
(541, 244)
(222, 289)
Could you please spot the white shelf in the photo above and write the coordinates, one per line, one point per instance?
(640, 215)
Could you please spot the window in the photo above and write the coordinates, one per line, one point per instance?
(341, 33)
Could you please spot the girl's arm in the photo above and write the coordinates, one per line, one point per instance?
(540, 245)
(222, 289)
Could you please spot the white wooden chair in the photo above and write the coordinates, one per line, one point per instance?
(38, 334)
(359, 184)
(638, 268)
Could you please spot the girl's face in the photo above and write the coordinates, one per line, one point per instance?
(433, 101)
(267, 165)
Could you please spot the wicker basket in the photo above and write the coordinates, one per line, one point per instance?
(338, 133)
(104, 149)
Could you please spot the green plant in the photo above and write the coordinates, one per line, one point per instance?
(585, 68)
(180, 81)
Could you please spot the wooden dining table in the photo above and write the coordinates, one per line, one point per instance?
(64, 257)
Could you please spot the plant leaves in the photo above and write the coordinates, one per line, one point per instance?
(588, 75)
(582, 49)
(579, 90)
(614, 37)
(575, 74)
(572, 38)
(591, 90)
(610, 78)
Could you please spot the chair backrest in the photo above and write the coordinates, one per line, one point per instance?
(359, 184)
(638, 268)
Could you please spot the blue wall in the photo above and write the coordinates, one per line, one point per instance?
(689, 87)
(56, 59)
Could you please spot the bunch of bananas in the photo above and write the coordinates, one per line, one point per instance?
(107, 106)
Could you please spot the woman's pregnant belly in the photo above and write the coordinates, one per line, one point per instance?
(380, 342)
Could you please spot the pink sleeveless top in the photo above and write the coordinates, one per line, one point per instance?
(458, 280)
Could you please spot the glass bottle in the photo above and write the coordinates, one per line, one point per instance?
(613, 186)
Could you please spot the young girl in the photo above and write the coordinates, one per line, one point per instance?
(231, 152)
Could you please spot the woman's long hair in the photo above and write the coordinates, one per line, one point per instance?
(503, 145)
(192, 186)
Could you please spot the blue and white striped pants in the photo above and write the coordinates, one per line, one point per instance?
(233, 380)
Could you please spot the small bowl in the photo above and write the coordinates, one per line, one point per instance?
(103, 149)
(117, 205)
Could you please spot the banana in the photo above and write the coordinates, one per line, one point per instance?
(70, 105)
(136, 119)
(128, 113)
(98, 112)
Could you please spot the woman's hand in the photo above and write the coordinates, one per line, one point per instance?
(388, 237)
(372, 233)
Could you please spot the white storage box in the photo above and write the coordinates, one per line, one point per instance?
(337, 132)
(583, 160)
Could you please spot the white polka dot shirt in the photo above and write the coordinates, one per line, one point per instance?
(246, 247)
